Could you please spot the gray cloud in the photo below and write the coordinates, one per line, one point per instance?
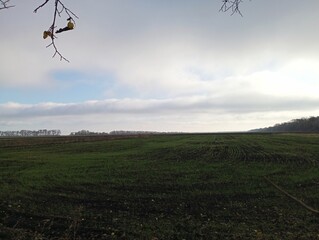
(231, 104)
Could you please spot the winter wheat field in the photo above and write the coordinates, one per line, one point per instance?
(187, 186)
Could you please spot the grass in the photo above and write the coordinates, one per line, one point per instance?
(194, 186)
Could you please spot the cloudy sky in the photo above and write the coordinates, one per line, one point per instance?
(160, 65)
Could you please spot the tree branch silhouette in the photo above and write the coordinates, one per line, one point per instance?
(232, 6)
(4, 4)
(59, 9)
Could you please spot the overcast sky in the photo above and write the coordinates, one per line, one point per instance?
(160, 65)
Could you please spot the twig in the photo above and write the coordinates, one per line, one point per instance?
(231, 5)
(292, 197)
(57, 12)
(67, 11)
(42, 5)
(4, 4)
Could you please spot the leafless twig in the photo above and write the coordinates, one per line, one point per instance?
(42, 5)
(4, 4)
(59, 9)
(231, 5)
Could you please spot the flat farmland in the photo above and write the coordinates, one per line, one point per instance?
(188, 186)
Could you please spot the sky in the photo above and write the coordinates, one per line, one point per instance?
(159, 65)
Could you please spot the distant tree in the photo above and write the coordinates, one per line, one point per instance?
(310, 124)
(30, 133)
(87, 133)
(60, 10)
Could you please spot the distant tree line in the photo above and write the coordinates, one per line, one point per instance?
(117, 132)
(310, 124)
(121, 132)
(87, 133)
(30, 133)
(56, 132)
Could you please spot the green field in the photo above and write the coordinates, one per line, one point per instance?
(208, 186)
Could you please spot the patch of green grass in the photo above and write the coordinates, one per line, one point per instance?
(194, 186)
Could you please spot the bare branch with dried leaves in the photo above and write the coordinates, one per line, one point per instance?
(59, 10)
